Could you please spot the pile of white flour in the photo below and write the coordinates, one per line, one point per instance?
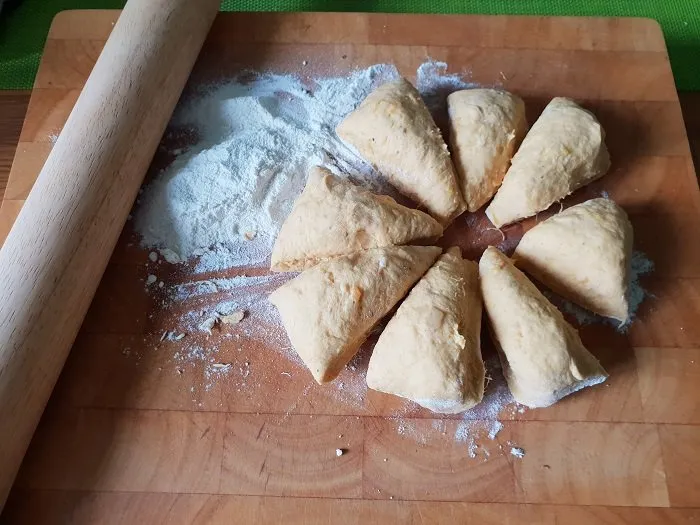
(224, 199)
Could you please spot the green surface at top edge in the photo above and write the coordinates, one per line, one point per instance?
(24, 26)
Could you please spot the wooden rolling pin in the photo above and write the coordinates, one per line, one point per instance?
(58, 249)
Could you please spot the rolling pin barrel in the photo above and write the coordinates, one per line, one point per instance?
(59, 247)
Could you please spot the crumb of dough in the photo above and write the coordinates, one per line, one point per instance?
(208, 324)
(170, 256)
(234, 318)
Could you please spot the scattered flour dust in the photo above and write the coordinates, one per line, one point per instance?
(480, 426)
(476, 429)
(224, 199)
(435, 83)
(220, 203)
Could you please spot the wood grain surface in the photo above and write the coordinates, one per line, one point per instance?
(54, 256)
(13, 107)
(125, 438)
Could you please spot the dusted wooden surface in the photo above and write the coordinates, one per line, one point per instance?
(121, 441)
(13, 107)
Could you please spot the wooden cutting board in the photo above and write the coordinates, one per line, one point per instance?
(129, 438)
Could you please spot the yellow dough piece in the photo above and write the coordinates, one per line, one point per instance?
(583, 254)
(563, 151)
(542, 355)
(334, 217)
(329, 310)
(430, 351)
(393, 129)
(486, 127)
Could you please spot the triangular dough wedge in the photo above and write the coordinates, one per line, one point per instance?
(486, 127)
(430, 351)
(329, 310)
(393, 129)
(583, 254)
(564, 150)
(334, 217)
(542, 355)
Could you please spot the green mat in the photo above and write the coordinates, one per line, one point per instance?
(23, 28)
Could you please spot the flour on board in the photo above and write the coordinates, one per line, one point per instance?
(218, 207)
(223, 199)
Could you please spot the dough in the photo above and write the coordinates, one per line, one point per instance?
(329, 309)
(393, 129)
(430, 350)
(542, 355)
(583, 254)
(486, 127)
(334, 217)
(563, 151)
